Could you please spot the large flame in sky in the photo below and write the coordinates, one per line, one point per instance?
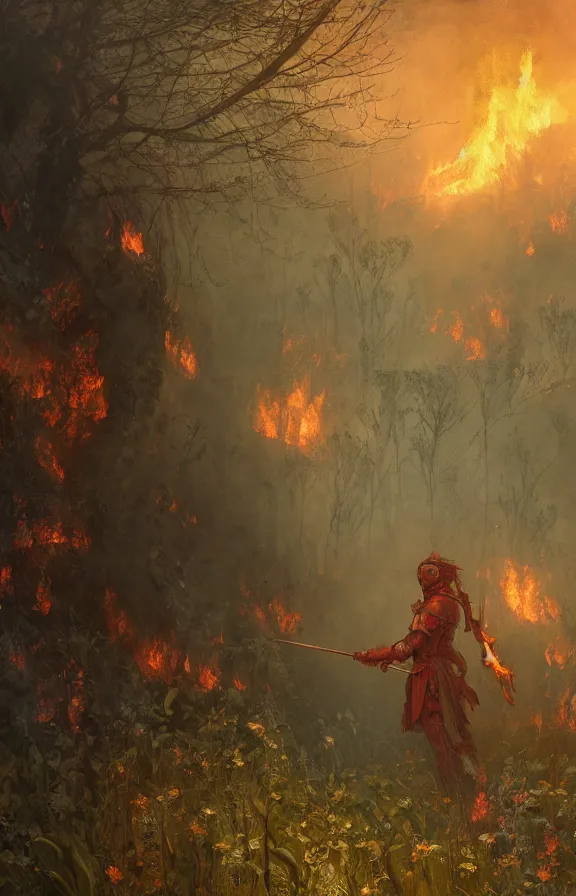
(514, 117)
(522, 592)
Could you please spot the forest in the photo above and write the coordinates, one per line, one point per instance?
(287, 303)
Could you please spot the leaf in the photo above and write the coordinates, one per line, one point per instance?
(61, 883)
(53, 846)
(285, 857)
(170, 698)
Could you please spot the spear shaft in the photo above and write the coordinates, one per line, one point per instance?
(331, 650)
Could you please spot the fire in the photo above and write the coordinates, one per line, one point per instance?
(288, 622)
(47, 459)
(114, 874)
(521, 591)
(480, 807)
(537, 722)
(437, 316)
(566, 715)
(208, 678)
(131, 239)
(514, 117)
(5, 581)
(43, 598)
(17, 659)
(181, 355)
(475, 351)
(457, 329)
(239, 685)
(295, 418)
(558, 221)
(530, 251)
(64, 301)
(559, 653)
(497, 318)
(504, 675)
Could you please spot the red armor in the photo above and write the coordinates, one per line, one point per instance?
(436, 691)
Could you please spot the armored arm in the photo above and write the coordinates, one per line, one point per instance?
(397, 653)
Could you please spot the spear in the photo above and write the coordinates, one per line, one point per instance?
(331, 650)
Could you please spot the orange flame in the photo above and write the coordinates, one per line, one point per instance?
(480, 807)
(238, 684)
(114, 874)
(514, 116)
(521, 591)
(182, 355)
(288, 622)
(456, 331)
(64, 302)
(47, 459)
(497, 318)
(504, 675)
(294, 418)
(558, 221)
(5, 581)
(537, 722)
(559, 654)
(437, 316)
(131, 239)
(209, 678)
(43, 598)
(474, 349)
(530, 251)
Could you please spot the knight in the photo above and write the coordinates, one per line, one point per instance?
(437, 694)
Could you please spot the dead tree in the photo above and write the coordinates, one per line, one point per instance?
(438, 409)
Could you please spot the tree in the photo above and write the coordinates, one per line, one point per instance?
(438, 410)
(196, 98)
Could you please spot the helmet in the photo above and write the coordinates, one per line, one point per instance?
(436, 573)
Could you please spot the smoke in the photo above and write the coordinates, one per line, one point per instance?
(381, 286)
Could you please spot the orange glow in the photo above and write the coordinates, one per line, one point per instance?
(295, 418)
(209, 678)
(43, 598)
(504, 675)
(47, 459)
(5, 581)
(566, 715)
(17, 659)
(475, 351)
(530, 250)
(558, 221)
(288, 622)
(497, 318)
(239, 685)
(456, 331)
(131, 239)
(521, 591)
(64, 301)
(537, 722)
(480, 807)
(437, 316)
(182, 355)
(114, 874)
(515, 115)
(75, 712)
(157, 659)
(559, 653)
(7, 211)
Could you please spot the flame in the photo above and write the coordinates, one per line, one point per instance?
(288, 622)
(558, 221)
(294, 418)
(480, 807)
(114, 874)
(5, 581)
(521, 591)
(131, 239)
(537, 722)
(504, 675)
(47, 459)
(514, 117)
(209, 678)
(64, 302)
(43, 598)
(497, 318)
(559, 653)
(437, 316)
(530, 251)
(456, 331)
(475, 351)
(181, 355)
(17, 658)
(566, 715)
(239, 685)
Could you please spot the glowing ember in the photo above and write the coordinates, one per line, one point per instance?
(497, 318)
(17, 659)
(558, 221)
(43, 598)
(131, 239)
(158, 659)
(47, 459)
(181, 355)
(64, 301)
(114, 874)
(514, 117)
(474, 350)
(288, 622)
(208, 679)
(456, 330)
(75, 712)
(480, 807)
(5, 581)
(295, 418)
(530, 250)
(239, 685)
(521, 591)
